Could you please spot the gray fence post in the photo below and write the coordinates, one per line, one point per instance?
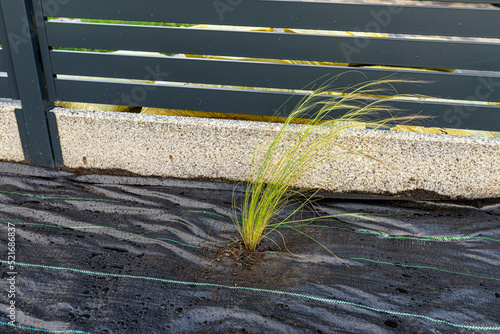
(37, 126)
(9, 66)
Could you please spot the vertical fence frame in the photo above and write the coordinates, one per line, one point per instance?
(11, 75)
(37, 125)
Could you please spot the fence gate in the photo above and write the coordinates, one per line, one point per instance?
(455, 50)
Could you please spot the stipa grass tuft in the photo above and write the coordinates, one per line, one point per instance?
(298, 149)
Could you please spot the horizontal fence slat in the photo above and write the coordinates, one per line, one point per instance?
(420, 20)
(271, 75)
(3, 67)
(4, 88)
(473, 117)
(470, 1)
(359, 50)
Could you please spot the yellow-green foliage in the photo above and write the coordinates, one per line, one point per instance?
(297, 150)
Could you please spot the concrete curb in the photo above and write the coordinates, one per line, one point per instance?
(198, 148)
(11, 148)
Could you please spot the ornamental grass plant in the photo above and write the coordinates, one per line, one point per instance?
(297, 149)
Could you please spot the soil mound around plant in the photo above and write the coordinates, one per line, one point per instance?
(122, 254)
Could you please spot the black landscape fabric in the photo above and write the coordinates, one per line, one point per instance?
(117, 254)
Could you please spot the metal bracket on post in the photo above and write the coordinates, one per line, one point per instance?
(37, 125)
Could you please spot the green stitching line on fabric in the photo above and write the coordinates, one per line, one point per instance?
(57, 226)
(400, 237)
(222, 216)
(63, 198)
(43, 330)
(207, 212)
(185, 245)
(283, 293)
(364, 259)
(424, 267)
(440, 238)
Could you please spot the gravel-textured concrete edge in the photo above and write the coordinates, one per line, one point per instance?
(10, 143)
(213, 149)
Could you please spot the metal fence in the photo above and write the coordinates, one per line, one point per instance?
(43, 64)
